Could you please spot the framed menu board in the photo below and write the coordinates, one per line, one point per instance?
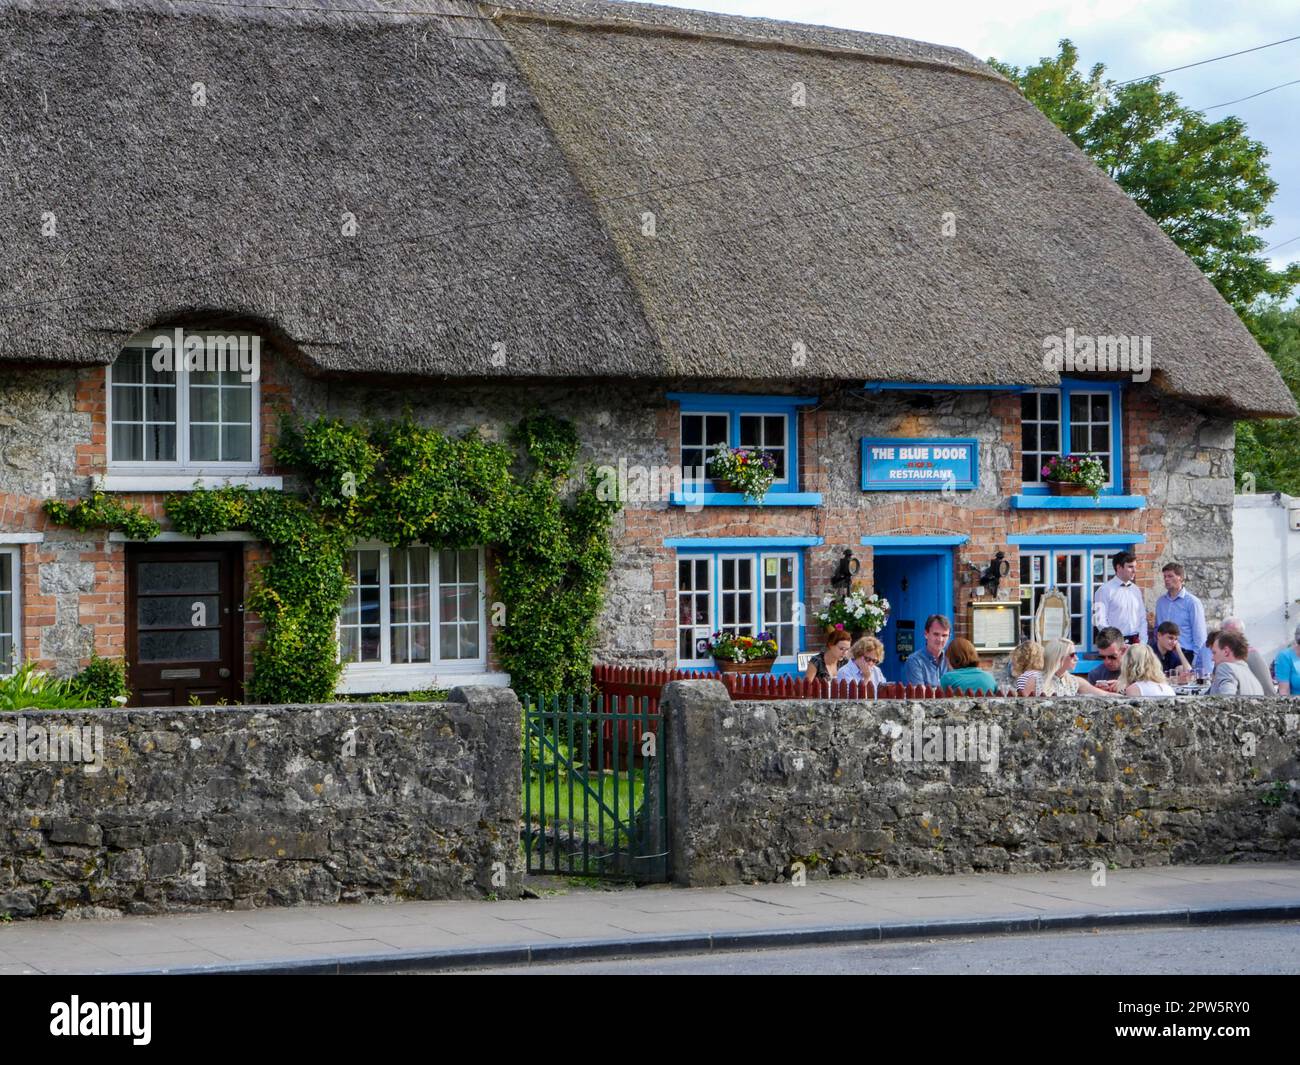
(1052, 622)
(995, 626)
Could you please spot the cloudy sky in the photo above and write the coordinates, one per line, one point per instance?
(1132, 38)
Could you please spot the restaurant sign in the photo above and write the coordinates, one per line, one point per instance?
(903, 464)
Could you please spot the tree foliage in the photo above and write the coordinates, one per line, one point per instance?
(1270, 450)
(1206, 184)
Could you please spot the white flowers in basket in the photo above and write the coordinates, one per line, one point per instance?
(855, 611)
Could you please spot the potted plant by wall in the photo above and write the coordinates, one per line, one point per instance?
(744, 470)
(743, 654)
(1074, 475)
(861, 614)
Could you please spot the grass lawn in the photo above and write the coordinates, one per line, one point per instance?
(541, 800)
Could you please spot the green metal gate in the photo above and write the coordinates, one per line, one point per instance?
(595, 780)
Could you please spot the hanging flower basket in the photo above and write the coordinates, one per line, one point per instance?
(857, 613)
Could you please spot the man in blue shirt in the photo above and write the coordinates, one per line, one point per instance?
(927, 664)
(1184, 610)
(1286, 667)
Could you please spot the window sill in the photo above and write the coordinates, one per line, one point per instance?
(376, 679)
(737, 499)
(1046, 502)
(182, 482)
(787, 668)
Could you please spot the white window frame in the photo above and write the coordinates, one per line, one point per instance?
(181, 464)
(695, 591)
(768, 624)
(682, 445)
(384, 675)
(715, 596)
(723, 592)
(1094, 558)
(16, 601)
(1064, 396)
(1110, 428)
(1059, 422)
(785, 438)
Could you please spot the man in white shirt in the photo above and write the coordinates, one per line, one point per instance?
(1119, 602)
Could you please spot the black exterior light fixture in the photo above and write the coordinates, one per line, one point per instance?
(842, 579)
(992, 576)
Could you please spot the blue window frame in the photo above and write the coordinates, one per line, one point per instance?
(1078, 566)
(744, 588)
(710, 421)
(1080, 417)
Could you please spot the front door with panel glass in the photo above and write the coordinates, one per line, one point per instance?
(184, 626)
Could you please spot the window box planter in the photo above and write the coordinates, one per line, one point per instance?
(754, 665)
(1068, 488)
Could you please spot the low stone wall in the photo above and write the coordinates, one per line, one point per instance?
(183, 808)
(874, 788)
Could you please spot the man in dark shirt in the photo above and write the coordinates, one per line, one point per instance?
(1167, 648)
(1110, 643)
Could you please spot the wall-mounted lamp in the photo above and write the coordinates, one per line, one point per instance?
(992, 576)
(842, 580)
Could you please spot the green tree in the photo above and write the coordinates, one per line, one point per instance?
(1270, 450)
(1206, 184)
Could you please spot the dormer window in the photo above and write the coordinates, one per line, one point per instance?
(182, 401)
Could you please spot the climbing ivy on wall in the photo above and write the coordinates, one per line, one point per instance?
(401, 483)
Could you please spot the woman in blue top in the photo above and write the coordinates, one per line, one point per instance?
(964, 672)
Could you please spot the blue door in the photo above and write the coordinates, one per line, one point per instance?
(917, 584)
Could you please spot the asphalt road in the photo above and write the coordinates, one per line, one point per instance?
(1263, 948)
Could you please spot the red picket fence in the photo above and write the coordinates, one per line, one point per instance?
(627, 688)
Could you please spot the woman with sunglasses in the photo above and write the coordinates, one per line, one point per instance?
(865, 657)
(1059, 659)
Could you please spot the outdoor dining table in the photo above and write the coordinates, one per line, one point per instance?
(1191, 689)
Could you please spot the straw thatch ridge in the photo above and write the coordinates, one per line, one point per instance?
(797, 180)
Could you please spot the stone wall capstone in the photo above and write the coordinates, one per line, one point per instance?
(894, 788)
(240, 807)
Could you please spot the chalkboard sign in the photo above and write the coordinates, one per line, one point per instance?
(905, 637)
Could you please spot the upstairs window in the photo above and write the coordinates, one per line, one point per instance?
(710, 423)
(1075, 419)
(188, 411)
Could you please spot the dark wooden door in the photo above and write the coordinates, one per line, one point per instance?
(184, 624)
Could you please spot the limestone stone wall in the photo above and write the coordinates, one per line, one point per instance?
(862, 788)
(257, 806)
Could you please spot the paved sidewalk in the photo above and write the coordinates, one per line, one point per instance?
(594, 923)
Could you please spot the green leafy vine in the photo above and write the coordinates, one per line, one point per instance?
(401, 483)
(99, 511)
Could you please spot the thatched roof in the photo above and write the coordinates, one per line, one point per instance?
(790, 242)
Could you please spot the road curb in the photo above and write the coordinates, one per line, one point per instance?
(703, 942)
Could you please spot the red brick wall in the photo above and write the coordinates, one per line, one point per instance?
(886, 514)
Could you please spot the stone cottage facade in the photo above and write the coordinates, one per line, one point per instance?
(680, 231)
